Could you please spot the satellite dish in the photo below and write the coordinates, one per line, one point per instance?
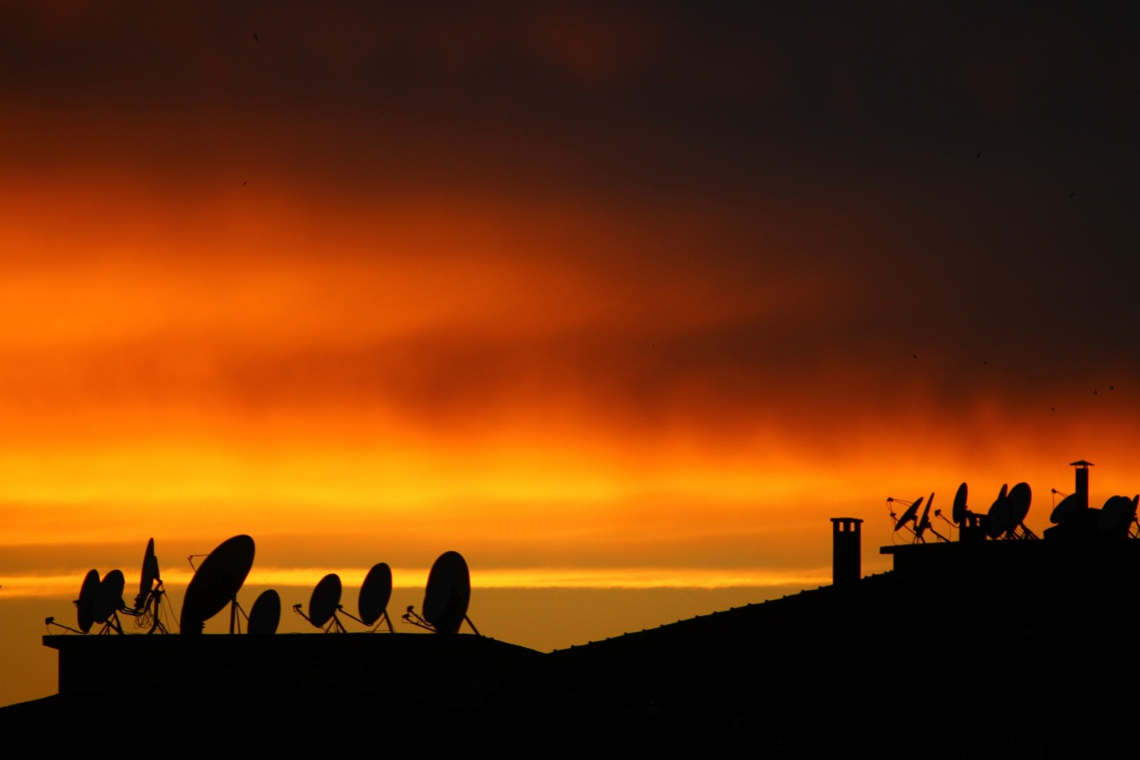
(109, 596)
(959, 513)
(148, 576)
(324, 601)
(86, 604)
(449, 592)
(924, 523)
(1020, 497)
(217, 582)
(375, 593)
(1116, 516)
(910, 513)
(999, 517)
(1066, 508)
(265, 614)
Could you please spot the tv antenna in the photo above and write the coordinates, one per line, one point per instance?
(216, 583)
(446, 598)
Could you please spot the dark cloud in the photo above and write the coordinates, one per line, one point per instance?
(956, 182)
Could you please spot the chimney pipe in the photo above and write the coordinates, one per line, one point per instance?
(1082, 485)
(847, 563)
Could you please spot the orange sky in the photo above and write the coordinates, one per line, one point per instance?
(603, 299)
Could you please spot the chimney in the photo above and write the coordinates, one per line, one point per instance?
(847, 563)
(1082, 489)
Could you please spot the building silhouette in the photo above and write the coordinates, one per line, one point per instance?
(1003, 647)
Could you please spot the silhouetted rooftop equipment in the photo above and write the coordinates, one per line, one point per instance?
(85, 605)
(1019, 499)
(1117, 516)
(216, 584)
(109, 598)
(959, 512)
(1068, 507)
(847, 561)
(265, 615)
(148, 604)
(909, 514)
(446, 598)
(324, 602)
(147, 576)
(375, 593)
(997, 519)
(920, 524)
(1082, 481)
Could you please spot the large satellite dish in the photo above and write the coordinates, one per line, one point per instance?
(217, 582)
(1066, 508)
(375, 593)
(449, 592)
(959, 512)
(1019, 499)
(1116, 516)
(910, 513)
(85, 605)
(324, 601)
(998, 520)
(110, 595)
(265, 614)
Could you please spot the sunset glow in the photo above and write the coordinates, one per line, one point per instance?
(602, 298)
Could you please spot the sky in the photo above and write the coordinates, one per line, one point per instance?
(621, 300)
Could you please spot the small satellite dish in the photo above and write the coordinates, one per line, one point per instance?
(1020, 497)
(1116, 516)
(922, 524)
(324, 601)
(217, 582)
(265, 614)
(449, 592)
(959, 513)
(148, 576)
(375, 593)
(88, 592)
(910, 513)
(1066, 508)
(110, 595)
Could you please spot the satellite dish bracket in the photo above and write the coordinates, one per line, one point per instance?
(50, 621)
(413, 618)
(383, 618)
(473, 628)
